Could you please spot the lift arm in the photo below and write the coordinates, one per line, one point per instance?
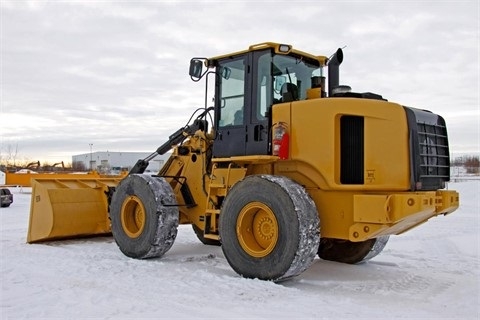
(174, 139)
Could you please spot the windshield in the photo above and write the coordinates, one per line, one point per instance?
(296, 70)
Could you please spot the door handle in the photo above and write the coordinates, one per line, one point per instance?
(257, 132)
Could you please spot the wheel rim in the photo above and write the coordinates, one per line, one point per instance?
(133, 216)
(257, 229)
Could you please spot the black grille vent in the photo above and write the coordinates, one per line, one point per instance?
(351, 150)
(434, 151)
(429, 150)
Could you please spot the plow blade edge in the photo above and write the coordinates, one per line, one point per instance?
(69, 208)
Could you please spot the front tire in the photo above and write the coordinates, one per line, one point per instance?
(144, 216)
(269, 228)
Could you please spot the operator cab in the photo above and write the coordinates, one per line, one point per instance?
(247, 84)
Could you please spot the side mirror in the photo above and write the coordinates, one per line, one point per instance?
(196, 68)
(225, 72)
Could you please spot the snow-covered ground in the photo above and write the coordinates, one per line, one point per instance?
(429, 272)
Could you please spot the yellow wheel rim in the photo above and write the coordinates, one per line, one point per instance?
(257, 229)
(133, 216)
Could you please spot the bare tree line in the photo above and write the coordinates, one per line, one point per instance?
(11, 160)
(470, 163)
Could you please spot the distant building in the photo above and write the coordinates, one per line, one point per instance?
(113, 162)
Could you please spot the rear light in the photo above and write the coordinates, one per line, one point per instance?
(281, 140)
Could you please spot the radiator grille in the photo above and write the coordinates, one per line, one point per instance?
(430, 156)
(434, 153)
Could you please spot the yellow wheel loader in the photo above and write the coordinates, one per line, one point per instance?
(293, 167)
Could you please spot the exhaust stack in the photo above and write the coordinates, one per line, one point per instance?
(333, 70)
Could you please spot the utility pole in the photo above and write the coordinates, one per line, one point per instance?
(91, 145)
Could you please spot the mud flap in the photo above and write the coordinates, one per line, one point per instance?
(69, 208)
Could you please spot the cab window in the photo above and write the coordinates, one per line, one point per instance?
(232, 93)
(264, 87)
(295, 73)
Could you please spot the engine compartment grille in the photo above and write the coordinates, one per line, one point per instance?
(430, 156)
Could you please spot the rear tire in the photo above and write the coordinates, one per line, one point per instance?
(351, 252)
(144, 216)
(269, 228)
(206, 241)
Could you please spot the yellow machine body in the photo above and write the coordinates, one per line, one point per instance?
(385, 201)
(381, 206)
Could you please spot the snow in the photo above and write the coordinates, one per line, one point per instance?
(430, 272)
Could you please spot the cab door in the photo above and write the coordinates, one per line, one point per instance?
(230, 109)
(260, 103)
(243, 96)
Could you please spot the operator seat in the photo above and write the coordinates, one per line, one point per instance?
(238, 117)
(289, 92)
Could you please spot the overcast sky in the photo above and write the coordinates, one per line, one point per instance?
(115, 73)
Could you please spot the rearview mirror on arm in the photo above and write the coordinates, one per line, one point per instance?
(196, 68)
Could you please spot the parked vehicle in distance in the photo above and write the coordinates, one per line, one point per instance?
(6, 197)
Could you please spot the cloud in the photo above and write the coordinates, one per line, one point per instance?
(115, 73)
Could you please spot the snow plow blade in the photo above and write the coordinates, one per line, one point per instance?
(69, 208)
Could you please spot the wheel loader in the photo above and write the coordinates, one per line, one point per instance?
(287, 165)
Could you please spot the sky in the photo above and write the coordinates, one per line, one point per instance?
(87, 75)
